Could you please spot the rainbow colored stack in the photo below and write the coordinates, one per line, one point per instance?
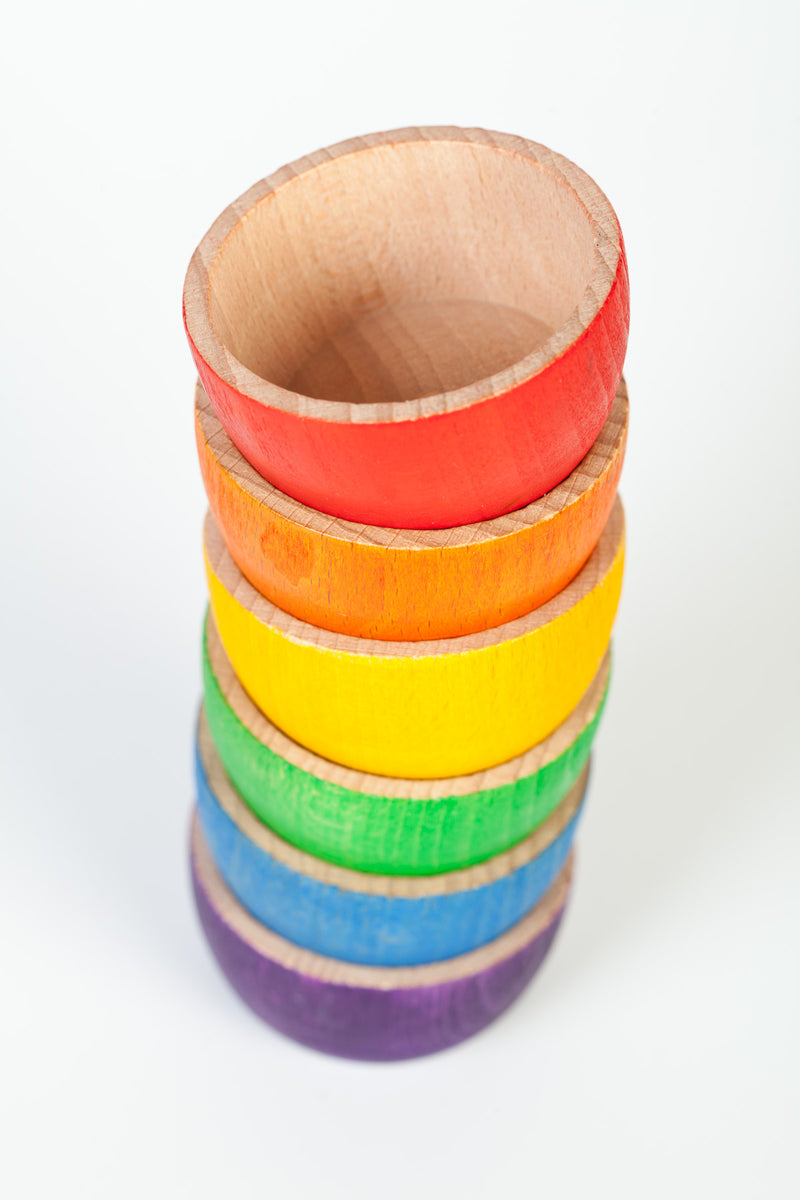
(411, 424)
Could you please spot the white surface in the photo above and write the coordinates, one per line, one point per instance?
(657, 1053)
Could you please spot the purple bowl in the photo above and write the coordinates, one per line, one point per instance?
(367, 1012)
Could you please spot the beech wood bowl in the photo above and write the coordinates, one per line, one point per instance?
(417, 329)
(390, 826)
(373, 1013)
(408, 584)
(421, 710)
(381, 920)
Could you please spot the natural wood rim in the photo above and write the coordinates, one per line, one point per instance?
(589, 470)
(301, 633)
(331, 970)
(608, 247)
(387, 786)
(410, 887)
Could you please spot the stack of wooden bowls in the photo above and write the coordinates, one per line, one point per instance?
(411, 425)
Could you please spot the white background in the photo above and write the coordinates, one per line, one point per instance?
(657, 1053)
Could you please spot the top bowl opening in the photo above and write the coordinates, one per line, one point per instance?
(404, 266)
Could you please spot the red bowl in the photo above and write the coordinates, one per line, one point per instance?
(417, 329)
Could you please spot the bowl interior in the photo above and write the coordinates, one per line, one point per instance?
(401, 271)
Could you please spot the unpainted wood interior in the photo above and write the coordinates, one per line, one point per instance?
(401, 271)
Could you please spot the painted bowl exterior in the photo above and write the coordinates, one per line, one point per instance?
(357, 821)
(387, 930)
(408, 585)
(373, 1023)
(420, 710)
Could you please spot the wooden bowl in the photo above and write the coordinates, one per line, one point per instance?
(421, 710)
(390, 826)
(373, 1013)
(408, 585)
(417, 329)
(382, 920)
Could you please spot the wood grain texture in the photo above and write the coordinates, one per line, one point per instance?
(417, 329)
(407, 585)
(420, 710)
(384, 920)
(363, 1012)
(389, 826)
